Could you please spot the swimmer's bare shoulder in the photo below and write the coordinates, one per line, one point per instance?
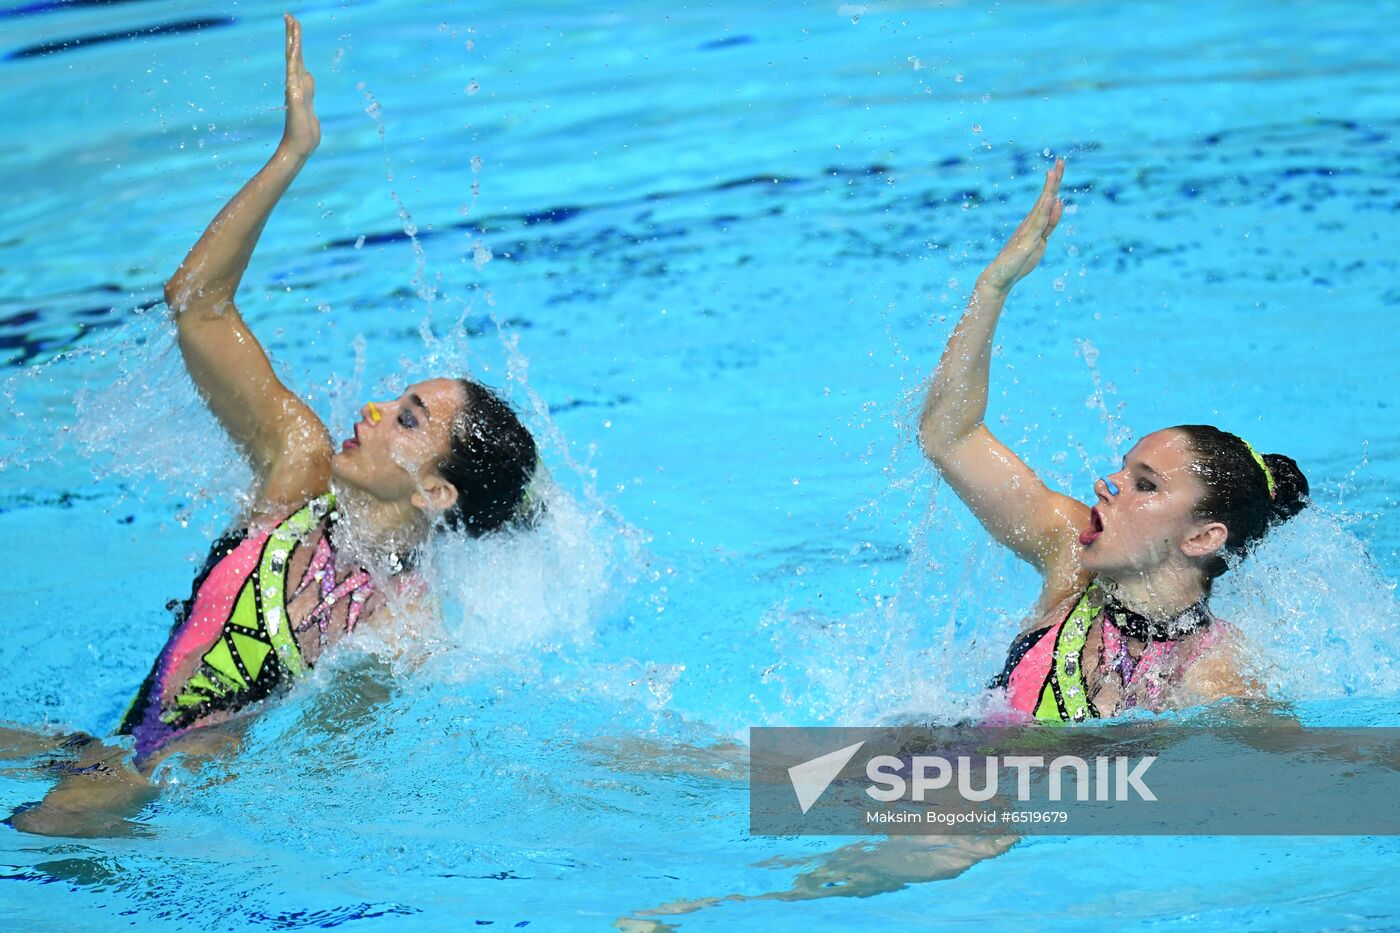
(1220, 670)
(1051, 607)
(410, 626)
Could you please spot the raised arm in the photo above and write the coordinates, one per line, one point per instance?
(1010, 501)
(285, 442)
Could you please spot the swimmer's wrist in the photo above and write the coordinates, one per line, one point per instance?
(985, 288)
(287, 152)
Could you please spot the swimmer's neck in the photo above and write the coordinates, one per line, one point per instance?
(374, 533)
(1160, 596)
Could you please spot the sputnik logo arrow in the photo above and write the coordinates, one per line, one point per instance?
(811, 778)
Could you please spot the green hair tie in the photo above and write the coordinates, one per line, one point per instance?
(1268, 473)
(531, 498)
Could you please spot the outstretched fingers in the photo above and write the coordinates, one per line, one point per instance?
(1039, 217)
(1046, 213)
(303, 131)
(293, 44)
(297, 76)
(1057, 210)
(1027, 245)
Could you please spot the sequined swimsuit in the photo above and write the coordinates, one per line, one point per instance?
(1044, 674)
(232, 643)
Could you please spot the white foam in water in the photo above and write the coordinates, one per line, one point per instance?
(1324, 619)
(869, 667)
(146, 421)
(534, 589)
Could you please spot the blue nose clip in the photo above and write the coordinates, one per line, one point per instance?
(1109, 483)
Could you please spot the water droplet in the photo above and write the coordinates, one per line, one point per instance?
(481, 255)
(472, 86)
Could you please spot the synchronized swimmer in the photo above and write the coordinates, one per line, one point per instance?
(1123, 618)
(329, 539)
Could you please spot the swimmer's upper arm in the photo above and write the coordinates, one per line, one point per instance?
(287, 446)
(1039, 525)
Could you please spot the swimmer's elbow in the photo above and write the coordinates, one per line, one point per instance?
(190, 301)
(933, 441)
(939, 439)
(178, 291)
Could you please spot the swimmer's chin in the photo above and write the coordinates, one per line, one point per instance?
(341, 468)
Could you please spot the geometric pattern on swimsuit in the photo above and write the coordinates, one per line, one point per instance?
(234, 665)
(1044, 674)
(253, 650)
(1065, 695)
(321, 570)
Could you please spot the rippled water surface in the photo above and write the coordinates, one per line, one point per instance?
(711, 251)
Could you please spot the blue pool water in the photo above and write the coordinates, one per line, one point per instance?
(713, 251)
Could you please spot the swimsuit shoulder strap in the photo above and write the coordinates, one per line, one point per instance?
(1065, 696)
(272, 577)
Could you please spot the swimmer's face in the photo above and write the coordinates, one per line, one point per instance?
(395, 458)
(1150, 523)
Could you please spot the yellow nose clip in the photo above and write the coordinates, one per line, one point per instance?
(373, 414)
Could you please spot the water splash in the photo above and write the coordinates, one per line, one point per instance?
(425, 291)
(1322, 617)
(137, 422)
(1116, 431)
(523, 592)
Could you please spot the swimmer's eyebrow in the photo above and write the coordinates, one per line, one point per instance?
(1144, 466)
(413, 397)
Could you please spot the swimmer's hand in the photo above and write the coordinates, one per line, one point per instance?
(303, 132)
(1023, 251)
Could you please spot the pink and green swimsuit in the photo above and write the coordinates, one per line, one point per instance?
(232, 643)
(1044, 675)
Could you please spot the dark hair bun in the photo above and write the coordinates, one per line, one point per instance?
(1290, 488)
